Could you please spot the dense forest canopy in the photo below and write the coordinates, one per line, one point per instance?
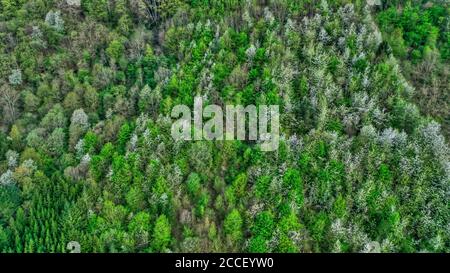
(86, 154)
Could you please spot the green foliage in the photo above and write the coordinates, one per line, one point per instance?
(419, 36)
(239, 184)
(418, 27)
(287, 225)
(293, 183)
(232, 226)
(161, 234)
(86, 152)
(193, 184)
(262, 187)
(115, 49)
(262, 232)
(124, 136)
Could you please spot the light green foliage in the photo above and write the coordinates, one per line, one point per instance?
(161, 234)
(233, 226)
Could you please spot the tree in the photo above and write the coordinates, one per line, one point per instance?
(193, 185)
(79, 124)
(262, 232)
(16, 77)
(149, 100)
(233, 226)
(15, 136)
(97, 8)
(293, 182)
(54, 20)
(139, 227)
(87, 154)
(56, 142)
(115, 49)
(8, 100)
(240, 184)
(3, 145)
(55, 118)
(90, 98)
(7, 178)
(135, 198)
(161, 234)
(72, 101)
(31, 101)
(288, 227)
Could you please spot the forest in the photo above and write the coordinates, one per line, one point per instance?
(86, 153)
